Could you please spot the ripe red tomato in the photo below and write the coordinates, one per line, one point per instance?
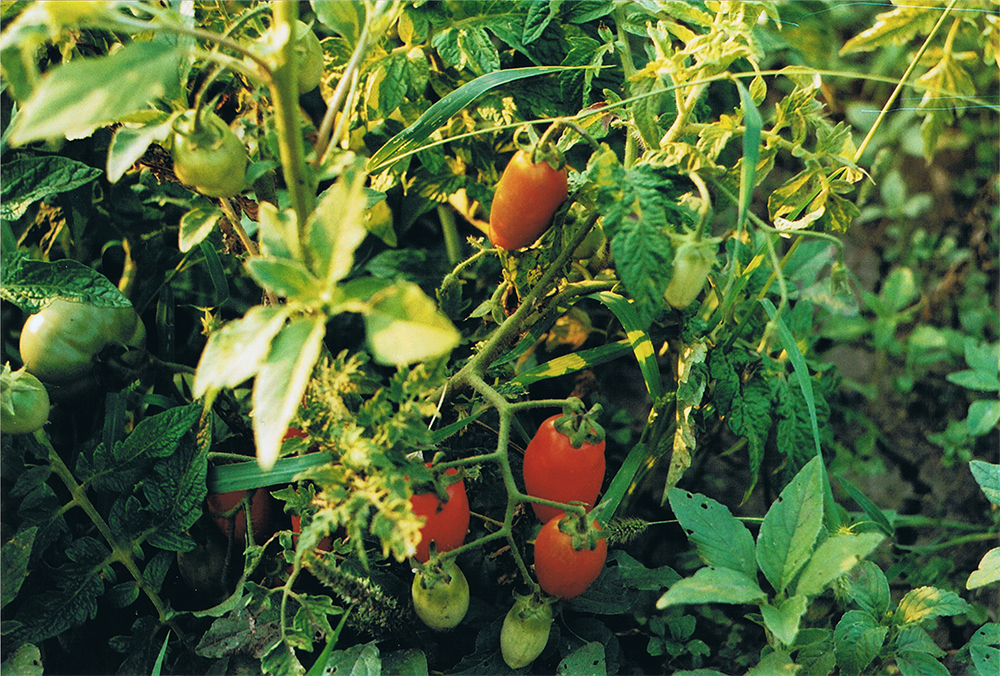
(447, 523)
(526, 197)
(556, 470)
(260, 514)
(562, 570)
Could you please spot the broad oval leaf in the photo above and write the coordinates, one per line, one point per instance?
(404, 326)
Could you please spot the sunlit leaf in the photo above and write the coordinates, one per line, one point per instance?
(405, 326)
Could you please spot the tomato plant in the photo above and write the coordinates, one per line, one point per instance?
(446, 523)
(525, 200)
(440, 596)
(58, 344)
(207, 155)
(569, 556)
(564, 461)
(525, 631)
(380, 270)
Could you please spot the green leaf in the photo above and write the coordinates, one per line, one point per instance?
(988, 571)
(857, 640)
(176, 490)
(916, 663)
(642, 346)
(387, 85)
(982, 356)
(25, 661)
(982, 648)
(409, 140)
(751, 152)
(410, 662)
(573, 362)
(130, 143)
(236, 352)
(337, 227)
(31, 284)
(777, 663)
(75, 98)
(870, 509)
(119, 467)
(14, 558)
(281, 382)
(587, 660)
(791, 526)
(975, 380)
(868, 587)
(835, 557)
(361, 660)
(216, 273)
(343, 18)
(404, 326)
(896, 27)
(916, 639)
(987, 475)
(30, 179)
(286, 278)
(983, 416)
(925, 603)
(196, 225)
(713, 585)
(540, 15)
(720, 538)
(783, 621)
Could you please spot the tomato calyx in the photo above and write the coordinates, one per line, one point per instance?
(578, 426)
(580, 528)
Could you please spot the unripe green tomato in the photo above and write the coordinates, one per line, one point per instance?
(444, 604)
(209, 157)
(525, 632)
(692, 263)
(24, 402)
(308, 58)
(592, 243)
(59, 343)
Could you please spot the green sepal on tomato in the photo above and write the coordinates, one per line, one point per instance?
(569, 556)
(440, 595)
(564, 461)
(59, 342)
(526, 198)
(446, 522)
(525, 630)
(207, 155)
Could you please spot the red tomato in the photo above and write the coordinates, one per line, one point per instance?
(325, 543)
(562, 570)
(526, 198)
(555, 470)
(260, 514)
(447, 523)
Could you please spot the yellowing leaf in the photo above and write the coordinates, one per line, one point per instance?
(405, 326)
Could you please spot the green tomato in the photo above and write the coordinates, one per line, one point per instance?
(441, 597)
(24, 402)
(692, 263)
(525, 631)
(208, 156)
(59, 343)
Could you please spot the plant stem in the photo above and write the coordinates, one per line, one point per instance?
(284, 93)
(902, 83)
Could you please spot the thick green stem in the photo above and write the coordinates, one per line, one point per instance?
(284, 94)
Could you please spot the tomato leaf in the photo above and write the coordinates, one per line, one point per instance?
(14, 559)
(30, 179)
(31, 284)
(337, 227)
